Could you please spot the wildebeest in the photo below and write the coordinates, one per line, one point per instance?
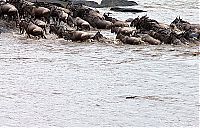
(127, 31)
(78, 35)
(41, 24)
(81, 35)
(81, 24)
(118, 23)
(10, 11)
(184, 25)
(129, 40)
(95, 22)
(38, 12)
(58, 30)
(150, 40)
(145, 23)
(31, 29)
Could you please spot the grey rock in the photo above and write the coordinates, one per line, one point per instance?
(118, 9)
(87, 3)
(105, 3)
(112, 3)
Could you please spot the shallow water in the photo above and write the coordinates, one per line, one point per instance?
(58, 83)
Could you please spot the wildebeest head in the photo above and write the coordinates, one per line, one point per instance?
(179, 20)
(135, 22)
(98, 36)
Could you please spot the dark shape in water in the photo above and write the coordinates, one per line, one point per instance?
(105, 3)
(118, 9)
(112, 3)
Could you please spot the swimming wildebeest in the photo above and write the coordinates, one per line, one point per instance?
(81, 35)
(127, 31)
(128, 40)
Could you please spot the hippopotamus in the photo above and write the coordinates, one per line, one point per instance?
(32, 29)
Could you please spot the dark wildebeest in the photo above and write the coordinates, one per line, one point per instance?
(58, 30)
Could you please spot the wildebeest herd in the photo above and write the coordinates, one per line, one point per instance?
(74, 22)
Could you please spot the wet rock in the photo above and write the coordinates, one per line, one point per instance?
(87, 3)
(131, 97)
(118, 9)
(112, 3)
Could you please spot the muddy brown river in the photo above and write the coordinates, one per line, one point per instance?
(58, 83)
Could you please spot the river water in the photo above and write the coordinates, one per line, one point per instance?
(58, 83)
